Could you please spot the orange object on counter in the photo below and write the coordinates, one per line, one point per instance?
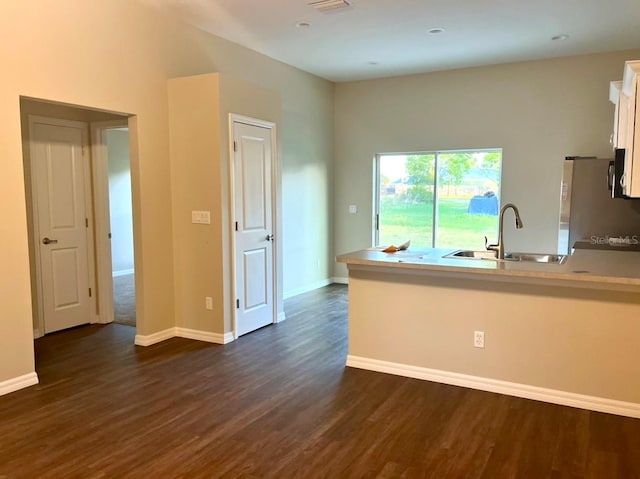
(394, 249)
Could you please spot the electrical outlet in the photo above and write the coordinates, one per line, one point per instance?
(208, 302)
(478, 339)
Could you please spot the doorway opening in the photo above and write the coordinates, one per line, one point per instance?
(115, 143)
(66, 153)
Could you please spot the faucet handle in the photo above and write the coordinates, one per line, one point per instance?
(490, 247)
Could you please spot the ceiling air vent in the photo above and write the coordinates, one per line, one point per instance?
(328, 6)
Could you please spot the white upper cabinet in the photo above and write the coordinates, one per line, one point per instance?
(626, 127)
(621, 101)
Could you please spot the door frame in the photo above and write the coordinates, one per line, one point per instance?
(271, 126)
(86, 157)
(100, 178)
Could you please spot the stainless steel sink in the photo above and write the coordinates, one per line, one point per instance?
(536, 257)
(469, 254)
(491, 255)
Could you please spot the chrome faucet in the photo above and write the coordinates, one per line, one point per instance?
(499, 248)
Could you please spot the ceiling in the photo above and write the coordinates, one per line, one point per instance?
(379, 38)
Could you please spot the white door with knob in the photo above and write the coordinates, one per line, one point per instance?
(253, 223)
(59, 186)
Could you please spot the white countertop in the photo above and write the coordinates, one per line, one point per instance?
(609, 270)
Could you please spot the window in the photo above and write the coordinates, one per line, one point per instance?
(439, 199)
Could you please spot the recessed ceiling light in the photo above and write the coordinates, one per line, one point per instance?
(560, 37)
(436, 31)
(303, 24)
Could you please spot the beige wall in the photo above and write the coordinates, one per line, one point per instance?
(194, 104)
(116, 55)
(538, 112)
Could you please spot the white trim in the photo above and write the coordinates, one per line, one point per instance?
(247, 120)
(204, 336)
(306, 289)
(554, 396)
(375, 198)
(37, 333)
(13, 384)
(155, 337)
(186, 333)
(89, 215)
(122, 272)
(340, 280)
(282, 316)
(102, 224)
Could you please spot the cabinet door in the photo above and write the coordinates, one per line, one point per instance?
(615, 88)
(632, 145)
(628, 130)
(631, 134)
(622, 120)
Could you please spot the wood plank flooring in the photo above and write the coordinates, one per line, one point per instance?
(279, 403)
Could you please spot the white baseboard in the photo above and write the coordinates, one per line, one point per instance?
(563, 398)
(36, 333)
(184, 333)
(306, 289)
(204, 336)
(340, 280)
(122, 272)
(155, 337)
(282, 316)
(11, 385)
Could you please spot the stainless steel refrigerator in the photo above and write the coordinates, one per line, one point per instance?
(589, 216)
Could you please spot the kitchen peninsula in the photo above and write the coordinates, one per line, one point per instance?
(563, 333)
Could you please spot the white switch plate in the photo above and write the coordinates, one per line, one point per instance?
(201, 217)
(353, 209)
(208, 302)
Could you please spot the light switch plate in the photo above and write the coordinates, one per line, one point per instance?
(353, 209)
(201, 217)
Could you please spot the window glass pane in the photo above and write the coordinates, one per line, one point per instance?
(468, 198)
(406, 199)
(466, 204)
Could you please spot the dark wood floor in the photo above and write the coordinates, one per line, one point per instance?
(279, 403)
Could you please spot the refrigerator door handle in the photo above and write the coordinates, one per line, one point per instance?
(610, 173)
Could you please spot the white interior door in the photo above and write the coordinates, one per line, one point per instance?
(252, 170)
(58, 177)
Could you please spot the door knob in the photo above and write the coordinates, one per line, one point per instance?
(46, 240)
(269, 237)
